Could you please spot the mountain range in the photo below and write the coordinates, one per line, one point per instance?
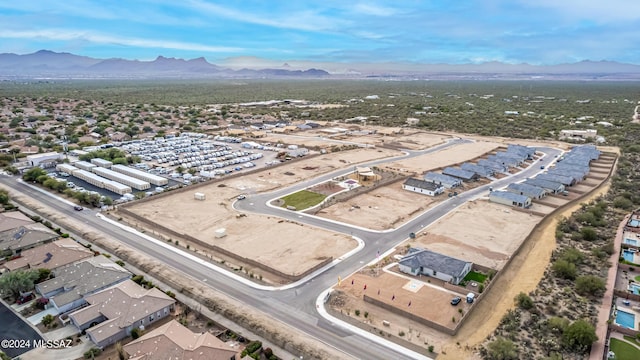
(49, 64)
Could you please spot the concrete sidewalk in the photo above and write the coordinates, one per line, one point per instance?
(600, 347)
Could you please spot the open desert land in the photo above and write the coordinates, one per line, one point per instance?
(383, 208)
(443, 158)
(479, 231)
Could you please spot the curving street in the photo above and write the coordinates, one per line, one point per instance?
(295, 305)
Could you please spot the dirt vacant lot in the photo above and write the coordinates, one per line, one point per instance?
(383, 208)
(479, 231)
(428, 302)
(446, 157)
(412, 140)
(290, 173)
(268, 240)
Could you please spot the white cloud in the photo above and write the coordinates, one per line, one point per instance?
(596, 11)
(306, 20)
(373, 9)
(71, 35)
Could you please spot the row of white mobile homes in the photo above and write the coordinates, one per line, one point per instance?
(94, 179)
(121, 178)
(142, 175)
(84, 165)
(101, 162)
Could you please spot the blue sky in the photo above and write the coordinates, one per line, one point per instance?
(400, 31)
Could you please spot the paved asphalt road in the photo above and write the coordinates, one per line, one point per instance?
(296, 306)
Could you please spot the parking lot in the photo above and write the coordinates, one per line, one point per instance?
(184, 160)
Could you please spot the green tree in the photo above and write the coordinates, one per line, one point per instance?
(48, 320)
(43, 274)
(15, 282)
(564, 269)
(4, 197)
(579, 336)
(33, 174)
(502, 349)
(524, 301)
(590, 285)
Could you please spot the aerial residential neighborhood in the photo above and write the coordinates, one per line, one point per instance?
(315, 180)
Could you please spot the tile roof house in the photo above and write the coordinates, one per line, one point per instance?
(117, 310)
(423, 187)
(68, 289)
(173, 341)
(51, 256)
(13, 219)
(425, 262)
(14, 241)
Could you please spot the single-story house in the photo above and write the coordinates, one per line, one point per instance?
(496, 166)
(51, 256)
(509, 198)
(524, 151)
(441, 179)
(14, 219)
(14, 241)
(534, 192)
(118, 309)
(477, 169)
(423, 187)
(564, 180)
(576, 175)
(439, 266)
(68, 289)
(461, 174)
(514, 158)
(504, 161)
(172, 341)
(551, 186)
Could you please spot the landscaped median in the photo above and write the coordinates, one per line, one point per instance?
(302, 199)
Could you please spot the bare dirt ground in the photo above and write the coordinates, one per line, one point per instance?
(256, 236)
(427, 302)
(410, 139)
(540, 208)
(383, 208)
(446, 157)
(290, 173)
(267, 240)
(479, 231)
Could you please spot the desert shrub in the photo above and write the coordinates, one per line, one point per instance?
(502, 349)
(92, 353)
(590, 285)
(579, 336)
(524, 301)
(564, 269)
